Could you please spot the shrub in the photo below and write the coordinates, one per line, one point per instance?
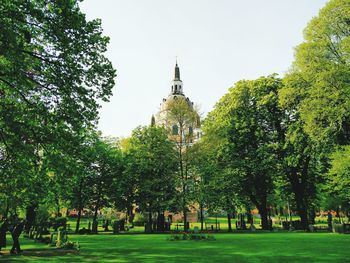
(186, 236)
(70, 245)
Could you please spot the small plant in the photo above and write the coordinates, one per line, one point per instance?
(186, 236)
(70, 245)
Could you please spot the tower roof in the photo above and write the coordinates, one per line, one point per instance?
(177, 72)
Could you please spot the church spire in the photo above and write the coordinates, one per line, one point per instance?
(177, 72)
(176, 86)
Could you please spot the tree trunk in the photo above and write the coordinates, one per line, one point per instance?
(57, 202)
(202, 216)
(160, 222)
(183, 177)
(30, 216)
(94, 221)
(78, 221)
(229, 222)
(80, 206)
(302, 211)
(263, 214)
(131, 215)
(298, 189)
(7, 209)
(149, 229)
(312, 216)
(185, 217)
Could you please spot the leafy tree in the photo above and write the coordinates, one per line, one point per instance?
(316, 95)
(322, 65)
(53, 74)
(244, 122)
(105, 167)
(339, 180)
(154, 164)
(181, 113)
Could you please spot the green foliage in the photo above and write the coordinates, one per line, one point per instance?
(42, 215)
(322, 63)
(242, 133)
(53, 76)
(152, 164)
(339, 176)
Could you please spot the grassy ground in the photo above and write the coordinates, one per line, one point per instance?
(250, 247)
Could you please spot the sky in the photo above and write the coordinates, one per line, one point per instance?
(216, 42)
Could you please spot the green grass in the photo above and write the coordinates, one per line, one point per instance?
(257, 247)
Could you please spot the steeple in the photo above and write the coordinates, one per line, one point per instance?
(177, 72)
(176, 86)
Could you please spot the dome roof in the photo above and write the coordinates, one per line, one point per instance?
(173, 97)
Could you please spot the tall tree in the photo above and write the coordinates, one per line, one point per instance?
(181, 114)
(322, 62)
(244, 124)
(53, 74)
(154, 163)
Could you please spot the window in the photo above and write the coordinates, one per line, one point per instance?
(175, 130)
(175, 88)
(190, 131)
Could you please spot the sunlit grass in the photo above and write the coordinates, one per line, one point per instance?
(257, 247)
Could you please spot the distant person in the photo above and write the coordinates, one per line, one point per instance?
(3, 230)
(16, 232)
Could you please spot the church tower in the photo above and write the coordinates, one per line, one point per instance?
(176, 93)
(176, 85)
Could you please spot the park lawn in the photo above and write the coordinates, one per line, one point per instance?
(249, 247)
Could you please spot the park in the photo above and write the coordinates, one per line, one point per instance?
(91, 173)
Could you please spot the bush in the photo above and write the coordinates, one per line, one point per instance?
(139, 220)
(70, 245)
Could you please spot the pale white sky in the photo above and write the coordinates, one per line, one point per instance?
(217, 42)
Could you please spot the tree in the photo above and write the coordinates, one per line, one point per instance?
(53, 74)
(154, 164)
(316, 95)
(322, 63)
(338, 179)
(184, 118)
(244, 123)
(105, 167)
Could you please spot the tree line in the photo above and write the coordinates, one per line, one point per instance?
(268, 143)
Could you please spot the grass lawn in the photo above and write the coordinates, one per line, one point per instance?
(257, 247)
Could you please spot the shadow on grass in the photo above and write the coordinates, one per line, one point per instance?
(40, 253)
